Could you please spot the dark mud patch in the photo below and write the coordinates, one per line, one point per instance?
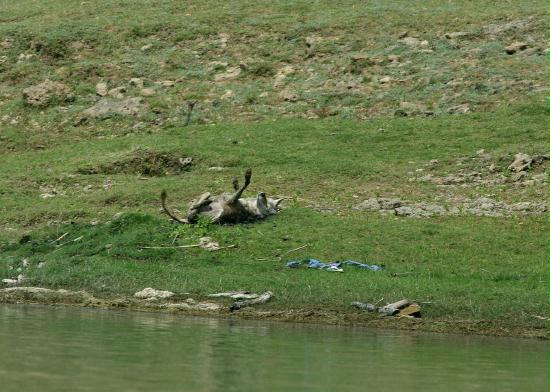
(143, 162)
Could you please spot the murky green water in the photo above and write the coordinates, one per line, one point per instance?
(67, 349)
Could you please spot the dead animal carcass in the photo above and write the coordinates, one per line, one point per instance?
(228, 207)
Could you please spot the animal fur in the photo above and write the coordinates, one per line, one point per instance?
(228, 207)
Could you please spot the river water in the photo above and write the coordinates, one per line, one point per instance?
(44, 348)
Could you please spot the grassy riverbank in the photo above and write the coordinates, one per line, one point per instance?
(313, 113)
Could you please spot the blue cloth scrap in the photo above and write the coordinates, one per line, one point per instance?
(372, 267)
(294, 264)
(331, 267)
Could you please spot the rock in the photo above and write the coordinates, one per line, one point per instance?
(288, 96)
(539, 159)
(235, 295)
(459, 109)
(424, 44)
(458, 35)
(10, 282)
(232, 73)
(21, 278)
(515, 26)
(101, 89)
(150, 293)
(146, 47)
(147, 92)
(423, 210)
(41, 264)
(411, 41)
(385, 79)
(117, 92)
(43, 94)
(411, 108)
(261, 299)
(522, 162)
(227, 95)
(542, 177)
(516, 47)
(518, 176)
(364, 306)
(137, 82)
(279, 81)
(484, 206)
(403, 34)
(377, 204)
(394, 58)
(166, 83)
(191, 304)
(107, 107)
(369, 205)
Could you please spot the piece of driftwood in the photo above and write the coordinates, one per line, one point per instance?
(262, 299)
(235, 295)
(228, 207)
(403, 308)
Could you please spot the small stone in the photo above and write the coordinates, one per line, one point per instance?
(117, 92)
(411, 41)
(232, 73)
(148, 92)
(403, 34)
(107, 107)
(518, 176)
(521, 163)
(458, 35)
(516, 47)
(227, 95)
(137, 82)
(9, 282)
(385, 79)
(288, 96)
(167, 83)
(149, 293)
(394, 58)
(146, 47)
(101, 89)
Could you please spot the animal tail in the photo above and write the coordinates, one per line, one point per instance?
(163, 196)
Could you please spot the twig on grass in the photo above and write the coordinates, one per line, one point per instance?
(60, 238)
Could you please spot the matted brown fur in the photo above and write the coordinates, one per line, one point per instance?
(228, 207)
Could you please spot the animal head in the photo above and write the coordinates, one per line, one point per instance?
(267, 205)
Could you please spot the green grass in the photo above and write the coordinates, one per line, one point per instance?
(472, 268)
(328, 151)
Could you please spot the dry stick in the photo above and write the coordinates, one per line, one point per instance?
(190, 106)
(293, 250)
(60, 238)
(169, 247)
(185, 246)
(300, 247)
